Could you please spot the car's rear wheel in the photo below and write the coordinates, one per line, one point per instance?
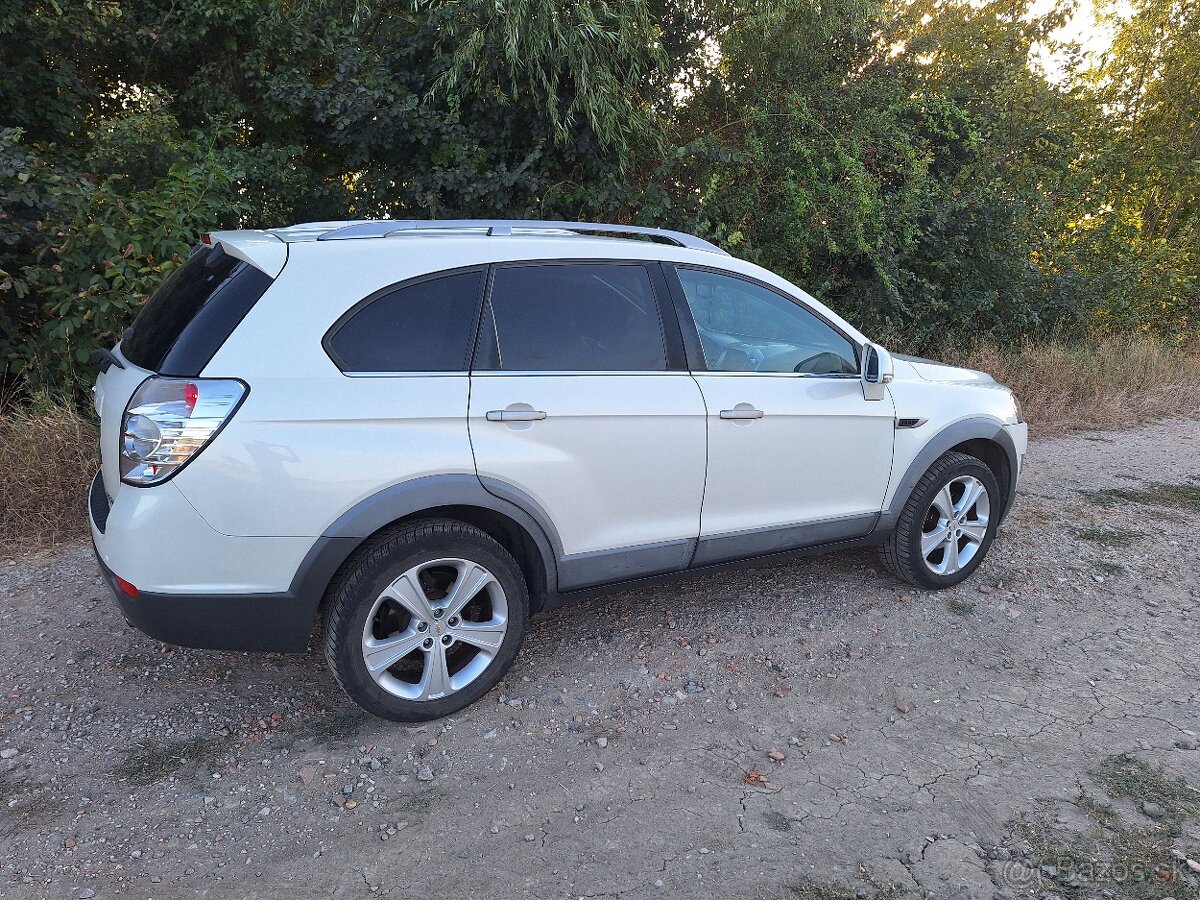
(947, 525)
(425, 620)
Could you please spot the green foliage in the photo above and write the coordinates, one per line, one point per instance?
(895, 161)
(96, 250)
(1140, 228)
(904, 161)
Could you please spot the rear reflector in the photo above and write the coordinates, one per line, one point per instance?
(126, 588)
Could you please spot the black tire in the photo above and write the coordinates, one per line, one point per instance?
(378, 565)
(901, 553)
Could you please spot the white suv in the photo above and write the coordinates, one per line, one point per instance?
(420, 433)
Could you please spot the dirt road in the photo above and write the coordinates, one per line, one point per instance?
(804, 730)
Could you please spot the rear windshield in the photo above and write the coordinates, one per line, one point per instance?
(193, 312)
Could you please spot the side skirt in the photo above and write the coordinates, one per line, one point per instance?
(564, 598)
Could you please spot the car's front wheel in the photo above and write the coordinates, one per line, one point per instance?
(947, 525)
(425, 620)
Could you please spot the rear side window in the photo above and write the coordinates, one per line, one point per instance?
(193, 313)
(422, 327)
(587, 317)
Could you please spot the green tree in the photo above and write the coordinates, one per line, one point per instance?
(1139, 230)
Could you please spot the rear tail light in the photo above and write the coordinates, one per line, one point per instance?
(170, 420)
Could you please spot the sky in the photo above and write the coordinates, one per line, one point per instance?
(1084, 27)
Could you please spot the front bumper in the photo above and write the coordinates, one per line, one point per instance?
(170, 555)
(1019, 435)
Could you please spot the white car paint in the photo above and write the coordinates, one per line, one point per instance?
(622, 460)
(820, 451)
(617, 462)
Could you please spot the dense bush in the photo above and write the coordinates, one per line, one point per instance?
(905, 161)
(95, 250)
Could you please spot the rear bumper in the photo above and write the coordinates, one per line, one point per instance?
(254, 622)
(195, 586)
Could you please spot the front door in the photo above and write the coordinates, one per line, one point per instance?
(797, 456)
(578, 407)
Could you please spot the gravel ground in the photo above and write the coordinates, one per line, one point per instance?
(783, 731)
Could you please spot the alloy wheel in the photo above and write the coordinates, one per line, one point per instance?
(955, 525)
(435, 629)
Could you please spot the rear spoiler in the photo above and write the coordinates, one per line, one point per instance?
(261, 249)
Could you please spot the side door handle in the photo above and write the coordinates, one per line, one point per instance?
(742, 411)
(515, 415)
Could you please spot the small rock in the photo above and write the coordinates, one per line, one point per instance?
(266, 811)
(9, 753)
(601, 742)
(658, 882)
(425, 773)
(703, 851)
(1048, 870)
(1153, 810)
(731, 705)
(347, 789)
(1000, 854)
(86, 893)
(529, 838)
(495, 829)
(777, 755)
(351, 804)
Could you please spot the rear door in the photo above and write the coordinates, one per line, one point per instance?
(581, 405)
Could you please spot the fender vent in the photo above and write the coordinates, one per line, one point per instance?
(910, 423)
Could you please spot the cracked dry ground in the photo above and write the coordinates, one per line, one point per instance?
(628, 752)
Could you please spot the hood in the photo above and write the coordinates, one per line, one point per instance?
(931, 370)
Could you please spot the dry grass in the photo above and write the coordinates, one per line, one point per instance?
(1104, 383)
(47, 459)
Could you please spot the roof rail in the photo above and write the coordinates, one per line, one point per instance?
(386, 228)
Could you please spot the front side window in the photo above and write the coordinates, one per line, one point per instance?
(422, 327)
(587, 317)
(745, 327)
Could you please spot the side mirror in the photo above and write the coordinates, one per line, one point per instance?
(877, 371)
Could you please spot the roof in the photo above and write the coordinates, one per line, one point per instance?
(379, 228)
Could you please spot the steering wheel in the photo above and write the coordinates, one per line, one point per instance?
(825, 363)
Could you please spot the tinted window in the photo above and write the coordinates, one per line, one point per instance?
(193, 312)
(748, 328)
(577, 318)
(423, 327)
